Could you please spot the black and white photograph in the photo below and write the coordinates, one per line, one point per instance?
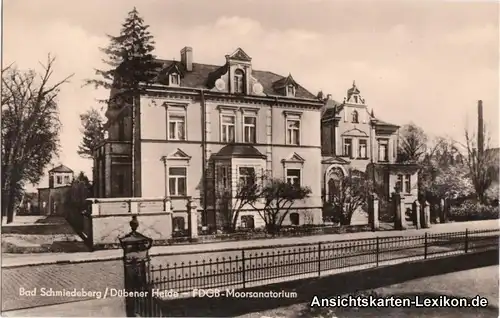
(250, 158)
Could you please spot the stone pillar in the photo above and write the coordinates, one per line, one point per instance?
(192, 219)
(441, 211)
(373, 213)
(446, 210)
(416, 214)
(398, 214)
(425, 216)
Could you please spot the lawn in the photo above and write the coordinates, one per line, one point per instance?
(469, 283)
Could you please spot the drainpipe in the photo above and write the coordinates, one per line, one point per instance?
(204, 153)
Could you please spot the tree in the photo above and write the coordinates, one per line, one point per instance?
(30, 129)
(412, 143)
(133, 68)
(230, 204)
(81, 189)
(443, 173)
(480, 161)
(278, 197)
(93, 132)
(350, 193)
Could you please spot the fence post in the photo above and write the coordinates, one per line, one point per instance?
(466, 240)
(319, 259)
(243, 267)
(425, 245)
(377, 252)
(135, 268)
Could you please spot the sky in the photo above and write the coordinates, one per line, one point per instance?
(420, 61)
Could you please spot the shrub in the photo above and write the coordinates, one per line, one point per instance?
(472, 211)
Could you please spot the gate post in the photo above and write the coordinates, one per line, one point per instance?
(425, 219)
(398, 214)
(192, 219)
(416, 214)
(136, 270)
(373, 214)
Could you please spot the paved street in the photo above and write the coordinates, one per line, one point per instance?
(99, 275)
(469, 283)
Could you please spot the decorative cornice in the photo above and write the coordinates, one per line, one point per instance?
(227, 108)
(292, 113)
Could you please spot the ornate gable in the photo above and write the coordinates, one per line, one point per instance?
(239, 55)
(293, 158)
(178, 155)
(355, 132)
(353, 96)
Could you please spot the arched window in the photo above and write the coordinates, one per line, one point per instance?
(294, 218)
(247, 221)
(239, 79)
(355, 117)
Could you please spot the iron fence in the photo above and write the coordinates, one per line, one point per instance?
(252, 267)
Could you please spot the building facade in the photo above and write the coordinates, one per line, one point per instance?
(200, 127)
(51, 200)
(353, 138)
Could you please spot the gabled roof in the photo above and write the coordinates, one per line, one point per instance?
(239, 55)
(61, 168)
(205, 75)
(239, 151)
(334, 160)
(175, 67)
(285, 81)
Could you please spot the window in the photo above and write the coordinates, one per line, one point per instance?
(294, 218)
(177, 127)
(249, 130)
(356, 99)
(362, 149)
(290, 90)
(383, 150)
(399, 183)
(247, 221)
(348, 147)
(227, 129)
(246, 175)
(293, 131)
(238, 81)
(355, 116)
(408, 183)
(224, 177)
(293, 176)
(178, 223)
(177, 181)
(66, 179)
(59, 179)
(174, 79)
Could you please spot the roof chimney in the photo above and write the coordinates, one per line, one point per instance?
(187, 58)
(480, 128)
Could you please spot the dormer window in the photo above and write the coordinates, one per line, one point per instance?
(355, 117)
(239, 76)
(290, 91)
(175, 79)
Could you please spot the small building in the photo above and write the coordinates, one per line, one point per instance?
(51, 200)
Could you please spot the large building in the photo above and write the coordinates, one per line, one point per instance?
(353, 138)
(204, 125)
